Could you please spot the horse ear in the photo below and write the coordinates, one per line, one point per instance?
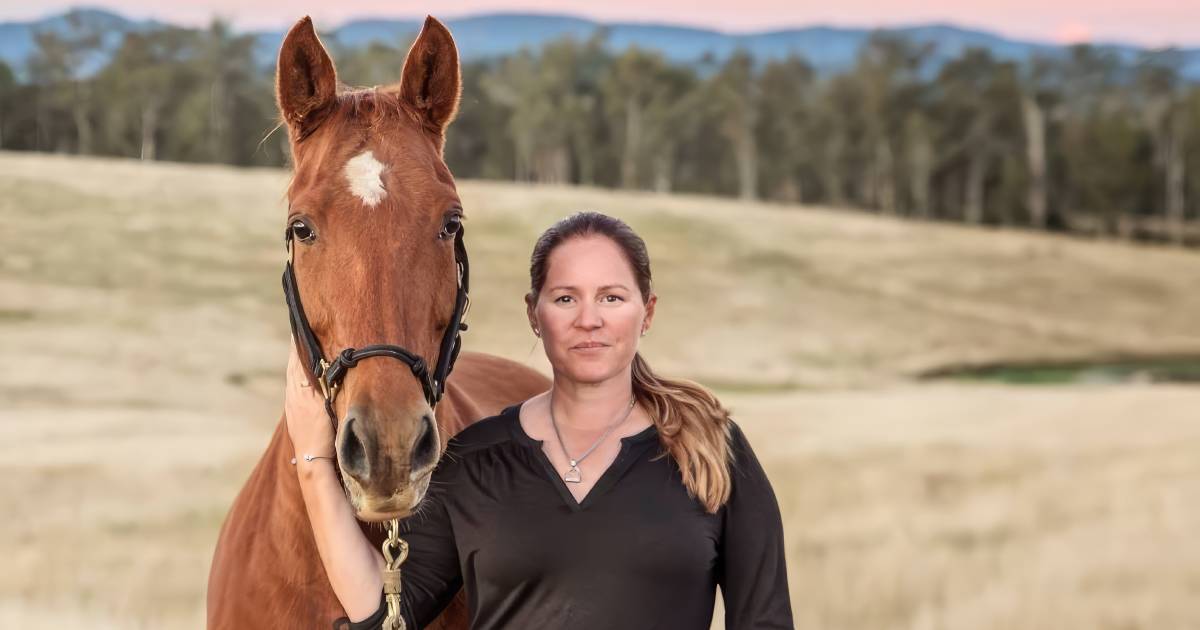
(432, 82)
(305, 80)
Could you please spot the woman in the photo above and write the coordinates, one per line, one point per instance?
(617, 499)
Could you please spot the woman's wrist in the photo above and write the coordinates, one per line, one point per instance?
(312, 455)
(314, 467)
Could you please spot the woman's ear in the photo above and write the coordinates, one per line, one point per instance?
(530, 302)
(650, 304)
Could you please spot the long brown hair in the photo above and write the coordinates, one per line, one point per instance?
(693, 426)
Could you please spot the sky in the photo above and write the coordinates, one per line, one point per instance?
(1144, 22)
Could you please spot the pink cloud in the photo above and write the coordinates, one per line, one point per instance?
(1073, 33)
(1148, 22)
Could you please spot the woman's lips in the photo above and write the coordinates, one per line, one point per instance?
(589, 345)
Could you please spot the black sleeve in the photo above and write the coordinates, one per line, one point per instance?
(374, 622)
(430, 577)
(752, 569)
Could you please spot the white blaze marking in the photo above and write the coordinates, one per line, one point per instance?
(364, 173)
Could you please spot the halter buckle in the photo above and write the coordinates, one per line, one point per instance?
(327, 390)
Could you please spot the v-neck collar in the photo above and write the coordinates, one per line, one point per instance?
(625, 458)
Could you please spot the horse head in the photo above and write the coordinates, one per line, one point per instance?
(372, 217)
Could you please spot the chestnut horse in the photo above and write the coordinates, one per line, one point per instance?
(370, 204)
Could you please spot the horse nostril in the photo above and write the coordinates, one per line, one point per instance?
(424, 452)
(353, 452)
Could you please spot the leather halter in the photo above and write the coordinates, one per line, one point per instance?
(329, 374)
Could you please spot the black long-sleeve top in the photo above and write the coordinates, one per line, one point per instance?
(638, 553)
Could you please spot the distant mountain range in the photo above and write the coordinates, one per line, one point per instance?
(828, 49)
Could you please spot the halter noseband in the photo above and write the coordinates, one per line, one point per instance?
(329, 374)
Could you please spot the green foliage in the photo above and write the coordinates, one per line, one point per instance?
(1080, 142)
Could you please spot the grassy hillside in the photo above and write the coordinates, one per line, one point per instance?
(752, 296)
(143, 333)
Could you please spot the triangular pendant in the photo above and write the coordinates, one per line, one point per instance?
(573, 476)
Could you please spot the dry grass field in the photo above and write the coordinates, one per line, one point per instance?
(143, 335)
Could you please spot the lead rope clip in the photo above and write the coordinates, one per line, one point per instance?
(395, 552)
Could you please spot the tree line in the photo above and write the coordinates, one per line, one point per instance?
(1080, 142)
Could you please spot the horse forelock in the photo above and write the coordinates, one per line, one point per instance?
(375, 119)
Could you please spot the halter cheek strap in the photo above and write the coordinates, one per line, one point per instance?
(329, 374)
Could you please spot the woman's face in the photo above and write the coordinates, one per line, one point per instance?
(590, 314)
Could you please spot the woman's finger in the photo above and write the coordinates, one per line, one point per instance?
(307, 423)
(297, 380)
(291, 362)
(296, 369)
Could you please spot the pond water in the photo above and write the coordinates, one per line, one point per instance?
(1176, 370)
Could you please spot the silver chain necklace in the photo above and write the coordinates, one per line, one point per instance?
(572, 475)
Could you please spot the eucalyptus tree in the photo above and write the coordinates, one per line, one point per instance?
(1159, 97)
(976, 103)
(735, 100)
(787, 89)
(888, 70)
(57, 66)
(141, 84)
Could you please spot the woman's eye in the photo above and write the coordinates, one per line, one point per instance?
(562, 299)
(302, 232)
(613, 298)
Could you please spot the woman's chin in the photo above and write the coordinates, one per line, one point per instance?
(593, 374)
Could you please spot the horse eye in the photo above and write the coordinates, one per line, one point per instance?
(451, 227)
(302, 232)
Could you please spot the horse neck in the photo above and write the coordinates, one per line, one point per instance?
(266, 569)
(272, 505)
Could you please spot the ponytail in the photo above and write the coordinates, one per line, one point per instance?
(694, 430)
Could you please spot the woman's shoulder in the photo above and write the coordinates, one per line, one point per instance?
(486, 432)
(742, 458)
(737, 438)
(747, 473)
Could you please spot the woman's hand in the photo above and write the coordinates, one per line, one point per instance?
(307, 422)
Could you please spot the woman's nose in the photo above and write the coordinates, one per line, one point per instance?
(589, 316)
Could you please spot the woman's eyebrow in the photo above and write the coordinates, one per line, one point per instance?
(567, 287)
